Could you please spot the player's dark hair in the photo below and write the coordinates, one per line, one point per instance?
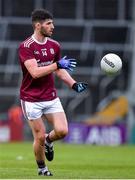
(40, 15)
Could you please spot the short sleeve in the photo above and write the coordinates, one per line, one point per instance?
(58, 53)
(25, 53)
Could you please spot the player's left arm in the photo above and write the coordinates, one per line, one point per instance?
(65, 76)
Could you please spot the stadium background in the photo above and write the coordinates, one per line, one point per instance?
(86, 30)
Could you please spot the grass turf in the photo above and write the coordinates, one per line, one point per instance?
(71, 162)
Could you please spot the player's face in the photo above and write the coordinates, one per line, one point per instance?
(47, 28)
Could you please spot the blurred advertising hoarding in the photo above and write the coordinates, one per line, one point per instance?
(99, 135)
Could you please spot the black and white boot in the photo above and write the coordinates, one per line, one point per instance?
(44, 172)
(49, 152)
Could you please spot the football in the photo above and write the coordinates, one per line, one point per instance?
(111, 63)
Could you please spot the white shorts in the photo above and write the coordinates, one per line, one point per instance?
(34, 110)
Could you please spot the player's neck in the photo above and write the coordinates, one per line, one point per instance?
(39, 37)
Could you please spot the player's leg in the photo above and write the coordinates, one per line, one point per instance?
(56, 116)
(60, 125)
(38, 130)
(59, 122)
(33, 114)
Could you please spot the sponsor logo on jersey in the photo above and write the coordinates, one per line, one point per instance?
(44, 63)
(36, 52)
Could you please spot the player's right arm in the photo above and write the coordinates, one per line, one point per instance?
(27, 58)
(37, 72)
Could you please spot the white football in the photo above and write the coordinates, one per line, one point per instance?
(111, 63)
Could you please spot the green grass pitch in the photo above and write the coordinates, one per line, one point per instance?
(71, 162)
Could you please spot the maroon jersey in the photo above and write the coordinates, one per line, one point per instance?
(40, 89)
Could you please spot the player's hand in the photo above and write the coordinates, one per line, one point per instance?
(64, 63)
(79, 86)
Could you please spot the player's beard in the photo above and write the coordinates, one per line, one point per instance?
(44, 33)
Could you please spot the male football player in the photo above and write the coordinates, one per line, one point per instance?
(39, 59)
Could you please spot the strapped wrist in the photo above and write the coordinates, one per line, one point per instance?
(74, 86)
(58, 65)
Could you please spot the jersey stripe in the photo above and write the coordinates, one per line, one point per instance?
(49, 39)
(24, 109)
(28, 42)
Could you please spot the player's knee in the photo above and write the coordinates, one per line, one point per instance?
(62, 132)
(40, 138)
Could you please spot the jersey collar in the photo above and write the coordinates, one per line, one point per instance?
(38, 41)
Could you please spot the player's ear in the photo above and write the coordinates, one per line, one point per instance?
(38, 25)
